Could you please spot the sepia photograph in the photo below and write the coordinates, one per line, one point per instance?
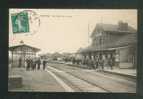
(72, 50)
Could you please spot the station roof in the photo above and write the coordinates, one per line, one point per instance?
(12, 48)
(124, 41)
(114, 43)
(112, 28)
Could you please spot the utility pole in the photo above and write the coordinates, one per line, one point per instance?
(88, 34)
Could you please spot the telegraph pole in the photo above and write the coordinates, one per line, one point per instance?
(88, 34)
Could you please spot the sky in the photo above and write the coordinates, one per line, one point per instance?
(66, 30)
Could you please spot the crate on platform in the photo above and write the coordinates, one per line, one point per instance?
(14, 81)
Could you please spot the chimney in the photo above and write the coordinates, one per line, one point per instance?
(122, 26)
(21, 42)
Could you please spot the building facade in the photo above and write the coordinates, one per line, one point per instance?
(116, 41)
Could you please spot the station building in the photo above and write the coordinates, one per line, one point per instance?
(118, 41)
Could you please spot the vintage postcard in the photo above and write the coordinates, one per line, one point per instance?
(72, 50)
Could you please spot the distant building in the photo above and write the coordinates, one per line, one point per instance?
(117, 41)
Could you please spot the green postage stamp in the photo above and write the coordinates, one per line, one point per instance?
(20, 22)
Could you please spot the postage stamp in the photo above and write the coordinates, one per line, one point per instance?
(20, 22)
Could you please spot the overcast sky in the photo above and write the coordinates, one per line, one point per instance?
(66, 30)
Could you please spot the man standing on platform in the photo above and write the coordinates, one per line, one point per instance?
(44, 64)
(27, 63)
(20, 62)
(38, 63)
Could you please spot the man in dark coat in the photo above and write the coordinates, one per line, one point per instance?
(34, 64)
(110, 63)
(20, 62)
(91, 63)
(44, 64)
(31, 64)
(96, 63)
(101, 62)
(38, 63)
(28, 64)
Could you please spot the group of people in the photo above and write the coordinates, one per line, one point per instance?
(35, 64)
(100, 63)
(96, 63)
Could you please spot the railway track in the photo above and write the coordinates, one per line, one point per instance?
(76, 83)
